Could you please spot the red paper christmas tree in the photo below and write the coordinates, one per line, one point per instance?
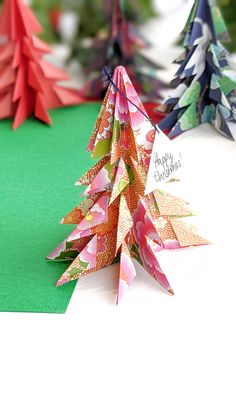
(28, 84)
(117, 221)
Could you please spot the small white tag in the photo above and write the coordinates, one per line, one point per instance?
(165, 162)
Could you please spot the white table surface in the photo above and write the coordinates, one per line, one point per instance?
(154, 356)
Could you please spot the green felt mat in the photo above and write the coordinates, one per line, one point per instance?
(39, 166)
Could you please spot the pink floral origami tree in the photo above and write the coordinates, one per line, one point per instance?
(116, 222)
(28, 85)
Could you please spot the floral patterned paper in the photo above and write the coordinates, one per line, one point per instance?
(117, 222)
(203, 93)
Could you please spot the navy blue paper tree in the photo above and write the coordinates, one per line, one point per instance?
(203, 93)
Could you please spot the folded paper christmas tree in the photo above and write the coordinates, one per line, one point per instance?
(122, 46)
(117, 222)
(28, 84)
(204, 92)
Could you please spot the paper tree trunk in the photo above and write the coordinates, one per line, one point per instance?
(122, 46)
(204, 92)
(28, 84)
(116, 222)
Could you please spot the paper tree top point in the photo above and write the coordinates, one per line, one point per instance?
(18, 21)
(117, 222)
(203, 90)
(28, 84)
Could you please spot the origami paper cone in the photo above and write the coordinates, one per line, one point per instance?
(28, 84)
(203, 92)
(117, 221)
